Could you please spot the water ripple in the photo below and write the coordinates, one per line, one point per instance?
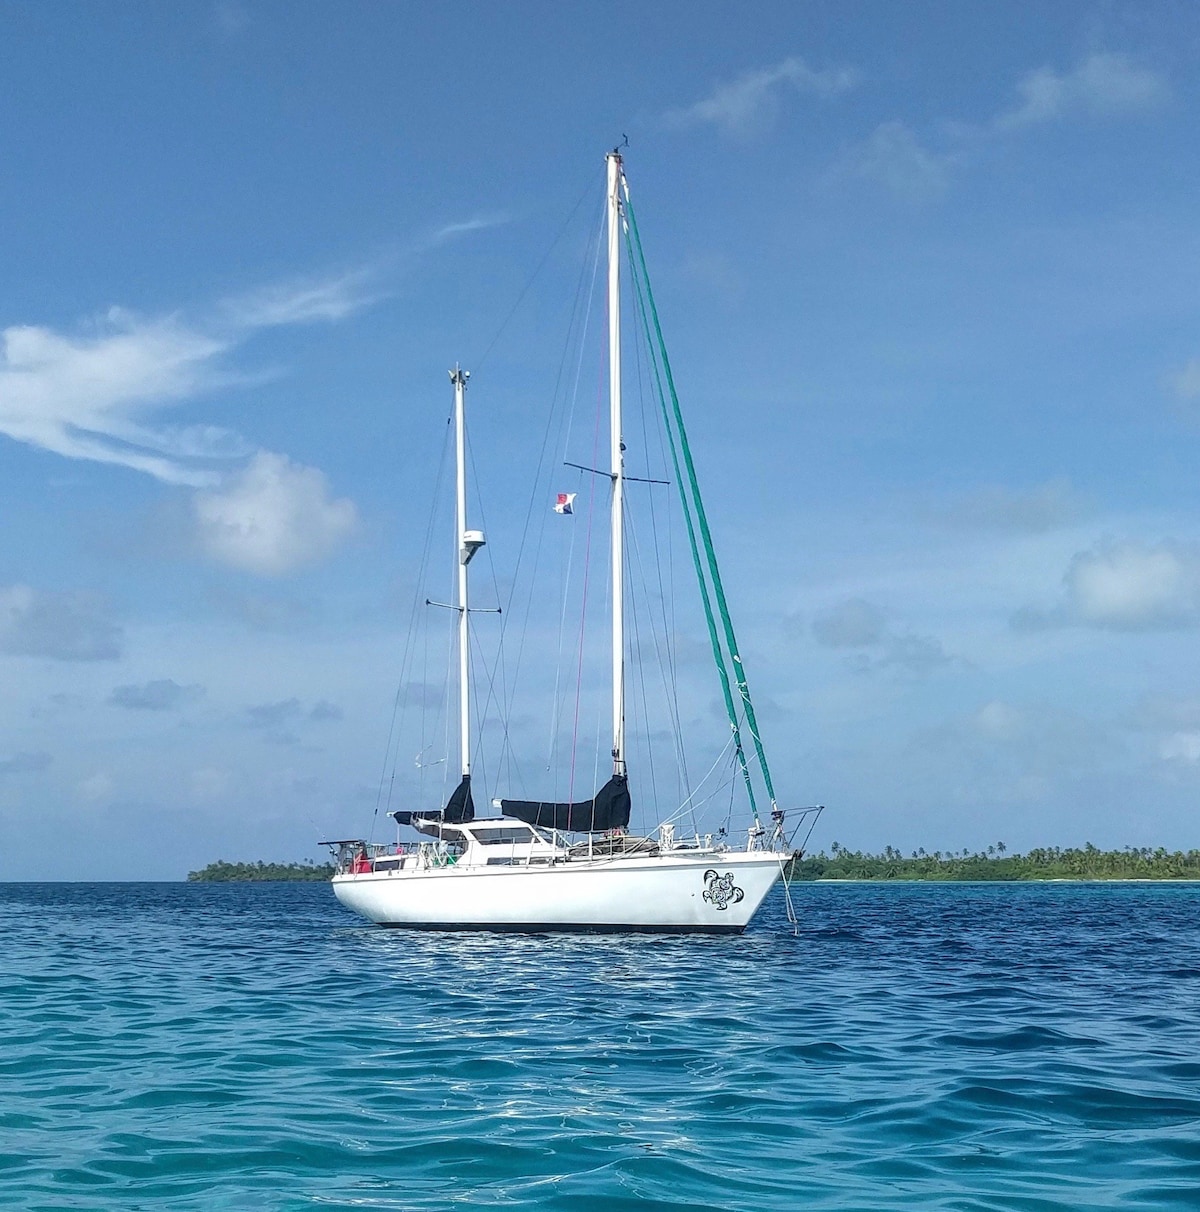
(197, 1047)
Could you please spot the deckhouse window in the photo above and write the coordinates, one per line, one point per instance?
(494, 837)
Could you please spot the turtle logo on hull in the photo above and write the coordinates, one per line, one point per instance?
(720, 891)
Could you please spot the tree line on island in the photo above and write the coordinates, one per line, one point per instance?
(222, 872)
(993, 863)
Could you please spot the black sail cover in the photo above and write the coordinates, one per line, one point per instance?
(609, 809)
(459, 807)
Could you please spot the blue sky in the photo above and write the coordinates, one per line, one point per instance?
(928, 274)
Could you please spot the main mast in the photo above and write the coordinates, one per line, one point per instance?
(617, 461)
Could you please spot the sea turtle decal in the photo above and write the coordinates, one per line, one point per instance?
(720, 891)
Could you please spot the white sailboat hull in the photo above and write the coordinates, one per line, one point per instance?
(706, 893)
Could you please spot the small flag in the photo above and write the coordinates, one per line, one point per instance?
(565, 502)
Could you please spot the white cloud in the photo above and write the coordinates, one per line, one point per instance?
(1128, 586)
(81, 397)
(273, 517)
(738, 107)
(93, 395)
(302, 301)
(464, 228)
(61, 626)
(1102, 84)
(894, 157)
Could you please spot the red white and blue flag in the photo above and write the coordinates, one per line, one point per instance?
(565, 502)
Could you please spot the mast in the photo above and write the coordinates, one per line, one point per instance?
(466, 544)
(617, 463)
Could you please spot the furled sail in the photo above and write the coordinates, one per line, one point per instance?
(459, 807)
(609, 809)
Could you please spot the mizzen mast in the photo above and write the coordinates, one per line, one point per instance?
(467, 543)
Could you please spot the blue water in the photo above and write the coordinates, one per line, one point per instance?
(250, 1047)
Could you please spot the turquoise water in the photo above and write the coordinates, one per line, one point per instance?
(200, 1046)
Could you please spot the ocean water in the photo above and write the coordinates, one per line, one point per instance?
(174, 1046)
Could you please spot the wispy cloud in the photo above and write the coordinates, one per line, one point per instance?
(303, 301)
(83, 396)
(916, 169)
(740, 106)
(450, 231)
(93, 395)
(1103, 84)
(894, 157)
(99, 395)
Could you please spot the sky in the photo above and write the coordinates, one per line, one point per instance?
(928, 274)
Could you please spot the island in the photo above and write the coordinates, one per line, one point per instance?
(1043, 863)
(222, 872)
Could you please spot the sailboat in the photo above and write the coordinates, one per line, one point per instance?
(548, 865)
